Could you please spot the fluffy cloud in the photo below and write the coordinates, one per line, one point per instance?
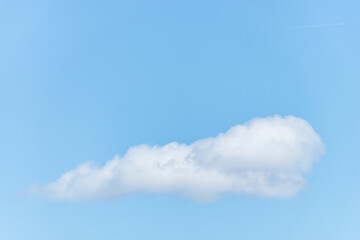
(264, 157)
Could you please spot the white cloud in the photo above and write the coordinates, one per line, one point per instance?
(264, 157)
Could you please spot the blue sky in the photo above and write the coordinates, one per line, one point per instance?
(85, 80)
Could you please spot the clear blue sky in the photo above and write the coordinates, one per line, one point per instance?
(85, 80)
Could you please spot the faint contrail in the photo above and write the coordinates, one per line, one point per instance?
(319, 26)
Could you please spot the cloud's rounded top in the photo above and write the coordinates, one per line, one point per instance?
(276, 143)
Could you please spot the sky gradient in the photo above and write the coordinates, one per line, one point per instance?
(85, 80)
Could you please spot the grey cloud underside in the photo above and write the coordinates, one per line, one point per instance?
(264, 157)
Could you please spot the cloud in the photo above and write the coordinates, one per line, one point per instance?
(264, 157)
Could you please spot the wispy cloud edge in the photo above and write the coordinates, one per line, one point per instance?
(318, 25)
